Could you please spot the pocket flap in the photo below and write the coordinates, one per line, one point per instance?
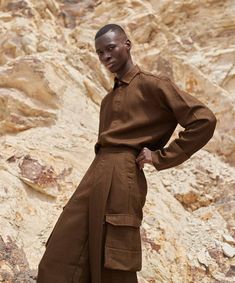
(123, 220)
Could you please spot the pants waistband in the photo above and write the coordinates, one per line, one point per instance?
(119, 149)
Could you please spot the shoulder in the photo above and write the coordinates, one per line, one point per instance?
(152, 83)
(153, 79)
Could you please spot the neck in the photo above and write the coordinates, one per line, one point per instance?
(125, 69)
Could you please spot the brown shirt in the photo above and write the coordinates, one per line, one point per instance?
(143, 110)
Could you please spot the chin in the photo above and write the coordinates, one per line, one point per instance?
(112, 70)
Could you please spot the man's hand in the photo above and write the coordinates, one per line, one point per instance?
(144, 156)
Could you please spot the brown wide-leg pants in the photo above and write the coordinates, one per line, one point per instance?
(97, 236)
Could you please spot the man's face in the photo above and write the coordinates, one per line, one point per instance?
(113, 51)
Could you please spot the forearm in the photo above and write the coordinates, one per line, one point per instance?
(180, 149)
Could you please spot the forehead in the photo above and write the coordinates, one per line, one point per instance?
(110, 37)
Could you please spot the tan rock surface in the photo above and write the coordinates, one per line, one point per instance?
(51, 85)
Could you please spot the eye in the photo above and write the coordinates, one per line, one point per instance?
(111, 47)
(99, 53)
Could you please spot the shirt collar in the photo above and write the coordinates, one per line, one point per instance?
(128, 77)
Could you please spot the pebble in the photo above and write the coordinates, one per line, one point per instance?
(228, 250)
(229, 239)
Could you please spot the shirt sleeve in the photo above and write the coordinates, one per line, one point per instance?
(197, 120)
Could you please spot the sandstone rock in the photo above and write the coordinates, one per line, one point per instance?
(203, 258)
(142, 280)
(72, 12)
(13, 264)
(19, 113)
(228, 250)
(229, 239)
(41, 178)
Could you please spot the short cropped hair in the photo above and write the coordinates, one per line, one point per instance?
(109, 27)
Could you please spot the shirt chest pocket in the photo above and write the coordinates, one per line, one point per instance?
(123, 242)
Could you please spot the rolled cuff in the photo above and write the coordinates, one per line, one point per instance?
(168, 157)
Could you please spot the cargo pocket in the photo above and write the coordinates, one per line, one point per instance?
(123, 242)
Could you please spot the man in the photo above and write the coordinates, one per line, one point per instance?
(97, 236)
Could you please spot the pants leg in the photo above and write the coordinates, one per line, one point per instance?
(66, 256)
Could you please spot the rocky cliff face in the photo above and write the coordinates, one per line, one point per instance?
(51, 85)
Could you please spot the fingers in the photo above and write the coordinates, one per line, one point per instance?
(142, 152)
(144, 156)
(140, 161)
(141, 164)
(140, 157)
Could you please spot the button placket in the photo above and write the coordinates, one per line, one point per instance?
(116, 105)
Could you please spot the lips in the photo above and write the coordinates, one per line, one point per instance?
(110, 65)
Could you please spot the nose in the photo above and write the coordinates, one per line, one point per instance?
(106, 57)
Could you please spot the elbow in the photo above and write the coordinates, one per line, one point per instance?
(207, 128)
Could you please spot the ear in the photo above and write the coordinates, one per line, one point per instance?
(128, 44)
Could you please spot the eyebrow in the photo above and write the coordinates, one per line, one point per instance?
(110, 44)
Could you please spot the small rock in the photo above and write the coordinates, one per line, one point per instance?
(166, 182)
(6, 268)
(202, 258)
(228, 250)
(231, 271)
(229, 239)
